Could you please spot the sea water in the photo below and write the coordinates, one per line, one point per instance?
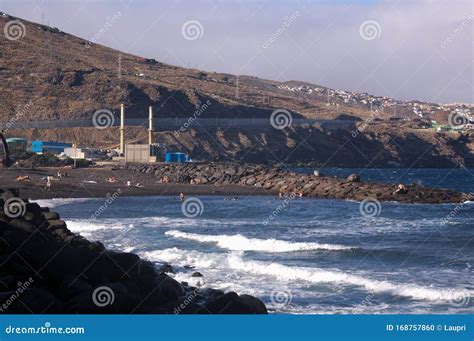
(303, 255)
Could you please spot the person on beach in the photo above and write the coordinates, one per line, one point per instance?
(401, 189)
(48, 182)
(182, 197)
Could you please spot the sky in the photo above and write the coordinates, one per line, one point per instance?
(402, 49)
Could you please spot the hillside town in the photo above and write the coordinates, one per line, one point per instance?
(364, 100)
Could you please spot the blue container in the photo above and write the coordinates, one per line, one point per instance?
(169, 157)
(49, 147)
(176, 157)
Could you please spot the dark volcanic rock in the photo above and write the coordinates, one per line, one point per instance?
(45, 268)
(288, 183)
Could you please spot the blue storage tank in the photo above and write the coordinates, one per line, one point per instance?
(176, 157)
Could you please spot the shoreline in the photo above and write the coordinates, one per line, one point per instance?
(73, 186)
(61, 272)
(220, 179)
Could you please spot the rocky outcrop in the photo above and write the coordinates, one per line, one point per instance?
(45, 268)
(290, 183)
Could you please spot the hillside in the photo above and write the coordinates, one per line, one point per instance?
(51, 75)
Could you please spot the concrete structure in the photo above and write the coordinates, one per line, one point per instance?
(49, 147)
(150, 125)
(82, 153)
(140, 153)
(122, 128)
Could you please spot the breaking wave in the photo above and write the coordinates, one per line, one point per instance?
(234, 261)
(240, 243)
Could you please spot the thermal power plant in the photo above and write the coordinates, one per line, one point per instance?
(122, 128)
(150, 125)
(139, 153)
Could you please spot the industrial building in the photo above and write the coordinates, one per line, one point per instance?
(17, 146)
(141, 153)
(82, 153)
(49, 147)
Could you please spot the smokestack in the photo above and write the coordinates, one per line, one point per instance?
(122, 128)
(150, 125)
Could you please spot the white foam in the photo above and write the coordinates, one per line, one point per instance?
(87, 226)
(52, 203)
(234, 261)
(240, 243)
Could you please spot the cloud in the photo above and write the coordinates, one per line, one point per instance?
(323, 44)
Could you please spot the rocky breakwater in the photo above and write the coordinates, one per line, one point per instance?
(44, 268)
(289, 183)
